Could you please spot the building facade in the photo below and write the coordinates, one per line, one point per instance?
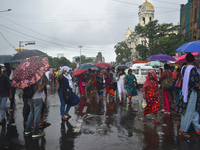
(190, 20)
(145, 14)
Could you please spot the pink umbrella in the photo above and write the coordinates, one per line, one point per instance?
(102, 64)
(29, 71)
(182, 60)
(78, 71)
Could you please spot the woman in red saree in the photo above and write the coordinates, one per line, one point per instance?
(150, 89)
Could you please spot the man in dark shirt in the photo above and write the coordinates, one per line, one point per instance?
(5, 92)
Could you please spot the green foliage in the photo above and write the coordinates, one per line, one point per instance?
(143, 51)
(162, 37)
(123, 52)
(86, 60)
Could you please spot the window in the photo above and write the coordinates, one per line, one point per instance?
(135, 71)
(149, 18)
(145, 71)
(143, 20)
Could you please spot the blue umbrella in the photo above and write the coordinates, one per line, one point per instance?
(155, 63)
(161, 57)
(190, 47)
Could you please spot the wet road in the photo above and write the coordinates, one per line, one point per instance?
(100, 126)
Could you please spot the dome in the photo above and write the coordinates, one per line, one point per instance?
(148, 5)
(128, 31)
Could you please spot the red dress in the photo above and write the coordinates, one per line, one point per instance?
(153, 105)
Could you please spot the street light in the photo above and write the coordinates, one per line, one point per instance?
(80, 52)
(5, 10)
(26, 43)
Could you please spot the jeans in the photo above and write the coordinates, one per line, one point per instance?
(35, 111)
(62, 106)
(26, 109)
(191, 115)
(3, 108)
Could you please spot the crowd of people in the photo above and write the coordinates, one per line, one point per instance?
(115, 83)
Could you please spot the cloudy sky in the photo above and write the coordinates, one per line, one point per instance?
(60, 26)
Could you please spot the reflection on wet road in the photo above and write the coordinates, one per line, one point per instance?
(98, 125)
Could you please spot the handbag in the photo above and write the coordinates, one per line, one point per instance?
(167, 83)
(83, 84)
(179, 82)
(67, 96)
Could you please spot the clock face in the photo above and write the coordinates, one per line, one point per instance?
(143, 8)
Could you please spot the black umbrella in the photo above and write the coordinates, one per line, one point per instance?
(87, 66)
(26, 54)
(121, 67)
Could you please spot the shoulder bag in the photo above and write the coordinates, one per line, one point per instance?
(167, 83)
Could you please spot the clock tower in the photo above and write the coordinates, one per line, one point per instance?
(146, 13)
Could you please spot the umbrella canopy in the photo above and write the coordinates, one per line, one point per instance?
(27, 53)
(102, 64)
(182, 60)
(161, 57)
(78, 71)
(7, 59)
(190, 47)
(86, 66)
(154, 64)
(121, 67)
(29, 71)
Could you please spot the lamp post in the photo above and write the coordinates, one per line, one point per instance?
(80, 52)
(26, 43)
(5, 10)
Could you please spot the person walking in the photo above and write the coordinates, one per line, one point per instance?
(82, 84)
(166, 94)
(120, 84)
(5, 92)
(130, 85)
(90, 86)
(189, 102)
(36, 105)
(150, 90)
(99, 78)
(109, 83)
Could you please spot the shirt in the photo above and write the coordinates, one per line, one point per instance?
(38, 94)
(4, 86)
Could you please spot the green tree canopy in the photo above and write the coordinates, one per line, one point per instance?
(143, 51)
(123, 52)
(162, 38)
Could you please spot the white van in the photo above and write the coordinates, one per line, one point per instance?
(140, 71)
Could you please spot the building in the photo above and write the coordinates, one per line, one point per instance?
(98, 58)
(145, 14)
(190, 20)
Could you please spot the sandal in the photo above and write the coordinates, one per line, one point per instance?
(68, 115)
(64, 119)
(130, 102)
(198, 132)
(157, 122)
(181, 132)
(162, 110)
(45, 124)
(166, 113)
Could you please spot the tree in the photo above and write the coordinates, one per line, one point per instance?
(85, 60)
(161, 37)
(123, 52)
(142, 51)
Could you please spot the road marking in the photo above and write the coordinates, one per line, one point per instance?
(77, 128)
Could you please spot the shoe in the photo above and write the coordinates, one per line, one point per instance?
(162, 110)
(45, 124)
(181, 132)
(166, 113)
(157, 122)
(68, 115)
(64, 118)
(27, 132)
(198, 132)
(38, 135)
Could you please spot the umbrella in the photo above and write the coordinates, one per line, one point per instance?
(154, 64)
(7, 59)
(29, 71)
(102, 64)
(190, 47)
(121, 67)
(161, 57)
(182, 60)
(26, 54)
(86, 66)
(78, 71)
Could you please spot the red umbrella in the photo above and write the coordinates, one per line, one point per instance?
(182, 60)
(29, 71)
(102, 64)
(78, 71)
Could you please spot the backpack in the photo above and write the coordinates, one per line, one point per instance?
(29, 91)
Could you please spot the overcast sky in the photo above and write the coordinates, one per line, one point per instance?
(60, 26)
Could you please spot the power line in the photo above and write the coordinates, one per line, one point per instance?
(6, 40)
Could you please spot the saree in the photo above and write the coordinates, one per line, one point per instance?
(109, 84)
(90, 87)
(99, 84)
(130, 86)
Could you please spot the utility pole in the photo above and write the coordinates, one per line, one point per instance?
(80, 52)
